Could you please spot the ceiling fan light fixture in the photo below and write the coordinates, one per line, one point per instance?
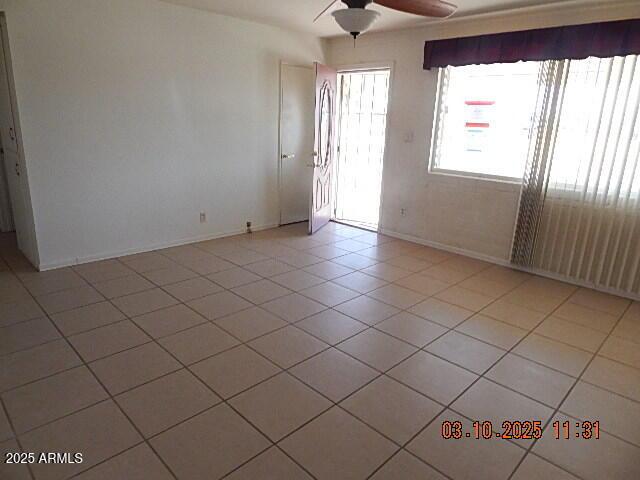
(355, 20)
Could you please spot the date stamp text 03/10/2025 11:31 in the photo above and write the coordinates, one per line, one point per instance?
(520, 430)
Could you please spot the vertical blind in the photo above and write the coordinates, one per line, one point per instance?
(551, 82)
(580, 204)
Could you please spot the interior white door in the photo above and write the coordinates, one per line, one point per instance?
(296, 142)
(11, 152)
(324, 147)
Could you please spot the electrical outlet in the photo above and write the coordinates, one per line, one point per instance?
(203, 217)
(248, 227)
(403, 212)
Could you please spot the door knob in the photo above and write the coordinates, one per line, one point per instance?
(287, 156)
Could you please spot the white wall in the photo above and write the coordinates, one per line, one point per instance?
(477, 216)
(137, 115)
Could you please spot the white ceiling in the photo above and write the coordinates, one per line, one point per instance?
(299, 14)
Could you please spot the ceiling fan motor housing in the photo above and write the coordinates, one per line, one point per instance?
(357, 3)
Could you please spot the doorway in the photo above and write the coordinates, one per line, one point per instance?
(14, 188)
(297, 106)
(362, 124)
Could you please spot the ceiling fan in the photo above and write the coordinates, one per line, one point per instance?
(357, 19)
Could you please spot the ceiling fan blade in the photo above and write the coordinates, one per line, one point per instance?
(426, 8)
(327, 8)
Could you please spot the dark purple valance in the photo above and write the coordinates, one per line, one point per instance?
(607, 39)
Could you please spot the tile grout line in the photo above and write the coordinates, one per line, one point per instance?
(3, 410)
(293, 324)
(564, 398)
(110, 398)
(407, 311)
(223, 400)
(333, 403)
(403, 446)
(482, 376)
(132, 319)
(294, 377)
(449, 329)
(186, 367)
(110, 300)
(286, 370)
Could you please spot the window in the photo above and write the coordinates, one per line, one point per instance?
(598, 131)
(484, 117)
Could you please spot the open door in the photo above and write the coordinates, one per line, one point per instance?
(10, 149)
(324, 147)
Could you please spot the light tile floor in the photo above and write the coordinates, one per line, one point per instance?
(278, 355)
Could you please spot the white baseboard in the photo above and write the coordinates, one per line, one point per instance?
(506, 263)
(447, 248)
(578, 282)
(410, 238)
(149, 248)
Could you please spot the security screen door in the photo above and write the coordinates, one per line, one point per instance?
(362, 122)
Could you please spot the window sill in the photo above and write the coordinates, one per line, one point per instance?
(475, 176)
